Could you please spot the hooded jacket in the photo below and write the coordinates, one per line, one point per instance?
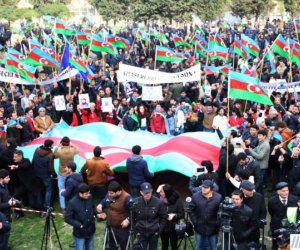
(137, 170)
(43, 162)
(72, 182)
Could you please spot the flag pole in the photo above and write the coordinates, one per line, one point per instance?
(296, 31)
(13, 98)
(227, 141)
(155, 58)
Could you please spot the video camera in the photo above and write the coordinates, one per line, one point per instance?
(285, 231)
(225, 211)
(17, 202)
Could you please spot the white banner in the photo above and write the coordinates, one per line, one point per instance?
(129, 73)
(13, 77)
(152, 93)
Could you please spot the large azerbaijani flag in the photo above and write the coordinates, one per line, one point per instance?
(244, 87)
(99, 45)
(167, 55)
(281, 47)
(181, 154)
(251, 45)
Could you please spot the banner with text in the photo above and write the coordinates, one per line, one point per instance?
(129, 73)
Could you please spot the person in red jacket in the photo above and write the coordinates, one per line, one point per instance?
(157, 120)
(92, 114)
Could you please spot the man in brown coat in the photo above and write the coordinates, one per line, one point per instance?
(96, 170)
(115, 209)
(43, 123)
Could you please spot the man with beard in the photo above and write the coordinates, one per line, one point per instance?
(117, 214)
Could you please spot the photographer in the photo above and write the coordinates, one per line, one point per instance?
(149, 217)
(256, 202)
(204, 216)
(243, 221)
(117, 203)
(205, 172)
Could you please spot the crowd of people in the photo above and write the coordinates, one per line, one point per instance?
(262, 147)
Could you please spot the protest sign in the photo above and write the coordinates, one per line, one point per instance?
(106, 104)
(152, 93)
(129, 73)
(84, 101)
(59, 102)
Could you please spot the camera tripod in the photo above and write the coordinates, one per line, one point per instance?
(228, 237)
(132, 235)
(47, 230)
(109, 232)
(186, 236)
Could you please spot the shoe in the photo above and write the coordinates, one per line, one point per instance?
(72, 245)
(19, 215)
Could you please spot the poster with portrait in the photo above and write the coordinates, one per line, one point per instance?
(84, 101)
(59, 103)
(152, 93)
(106, 104)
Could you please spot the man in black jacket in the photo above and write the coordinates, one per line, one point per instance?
(204, 216)
(138, 171)
(28, 184)
(251, 165)
(243, 222)
(277, 207)
(256, 202)
(43, 164)
(81, 214)
(6, 202)
(149, 217)
(72, 182)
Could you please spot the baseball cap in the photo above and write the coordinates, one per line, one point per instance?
(146, 187)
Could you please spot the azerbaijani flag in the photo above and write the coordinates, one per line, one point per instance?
(179, 41)
(142, 35)
(167, 55)
(281, 47)
(153, 32)
(181, 154)
(87, 23)
(24, 29)
(215, 40)
(297, 26)
(199, 30)
(64, 29)
(38, 57)
(200, 49)
(251, 45)
(99, 45)
(162, 38)
(77, 63)
(48, 21)
(241, 86)
(34, 43)
(200, 39)
(26, 72)
(216, 52)
(295, 56)
(272, 59)
(118, 42)
(82, 38)
(16, 54)
(240, 49)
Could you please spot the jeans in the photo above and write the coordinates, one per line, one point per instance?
(151, 241)
(61, 186)
(84, 244)
(121, 235)
(204, 242)
(48, 188)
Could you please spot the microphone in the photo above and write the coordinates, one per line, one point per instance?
(188, 199)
